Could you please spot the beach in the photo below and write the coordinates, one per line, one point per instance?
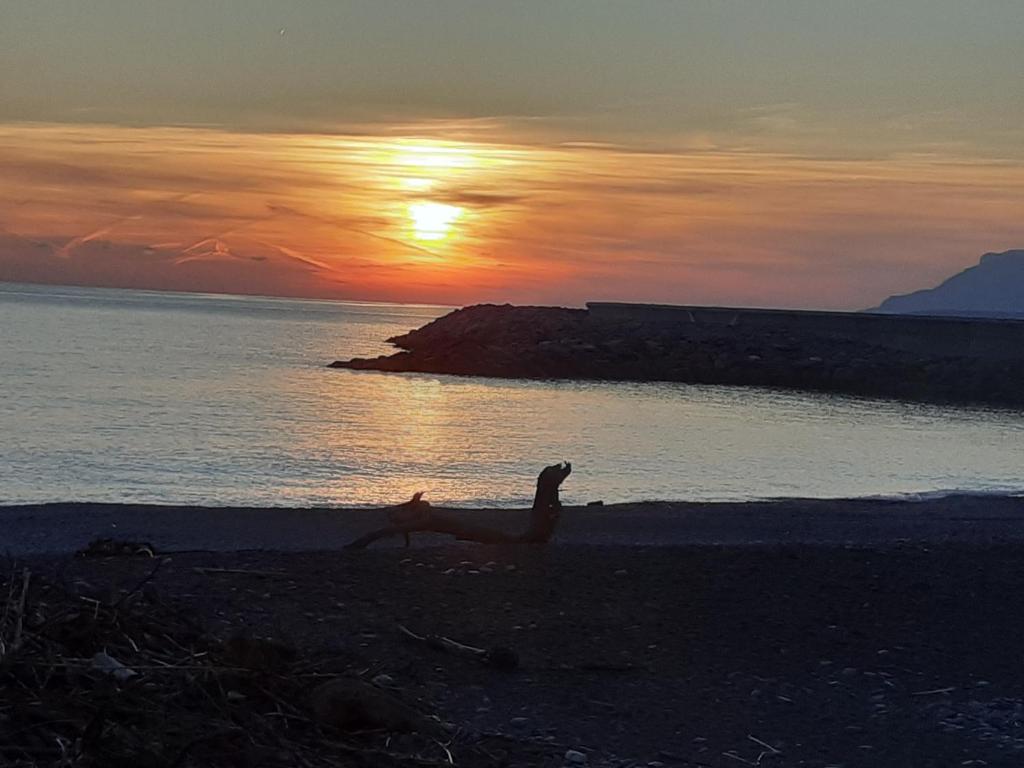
(875, 631)
(975, 519)
(789, 633)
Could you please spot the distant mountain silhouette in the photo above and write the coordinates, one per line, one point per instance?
(993, 288)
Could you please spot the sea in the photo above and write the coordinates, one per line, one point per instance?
(133, 396)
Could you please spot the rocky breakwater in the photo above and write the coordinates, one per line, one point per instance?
(555, 343)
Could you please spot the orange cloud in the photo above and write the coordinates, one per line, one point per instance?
(439, 221)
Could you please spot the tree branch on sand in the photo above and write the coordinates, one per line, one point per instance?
(417, 516)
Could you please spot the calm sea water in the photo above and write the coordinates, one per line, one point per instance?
(113, 395)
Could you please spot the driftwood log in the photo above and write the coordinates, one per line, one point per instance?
(499, 657)
(417, 516)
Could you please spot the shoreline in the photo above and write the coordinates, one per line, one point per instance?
(866, 522)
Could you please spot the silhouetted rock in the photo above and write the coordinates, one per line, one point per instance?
(899, 357)
(992, 288)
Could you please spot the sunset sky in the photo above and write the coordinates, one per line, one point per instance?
(803, 153)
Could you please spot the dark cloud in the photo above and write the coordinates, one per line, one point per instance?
(479, 199)
(103, 263)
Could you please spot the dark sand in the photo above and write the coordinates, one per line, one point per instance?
(841, 633)
(65, 527)
(903, 658)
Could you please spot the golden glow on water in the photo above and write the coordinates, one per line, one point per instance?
(253, 416)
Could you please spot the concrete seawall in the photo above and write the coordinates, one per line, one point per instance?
(982, 339)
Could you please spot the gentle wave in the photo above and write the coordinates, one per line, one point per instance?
(218, 401)
(946, 493)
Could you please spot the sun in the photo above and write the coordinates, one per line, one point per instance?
(434, 157)
(433, 221)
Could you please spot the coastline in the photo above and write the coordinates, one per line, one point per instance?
(971, 519)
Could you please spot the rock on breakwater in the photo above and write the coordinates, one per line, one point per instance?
(808, 353)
